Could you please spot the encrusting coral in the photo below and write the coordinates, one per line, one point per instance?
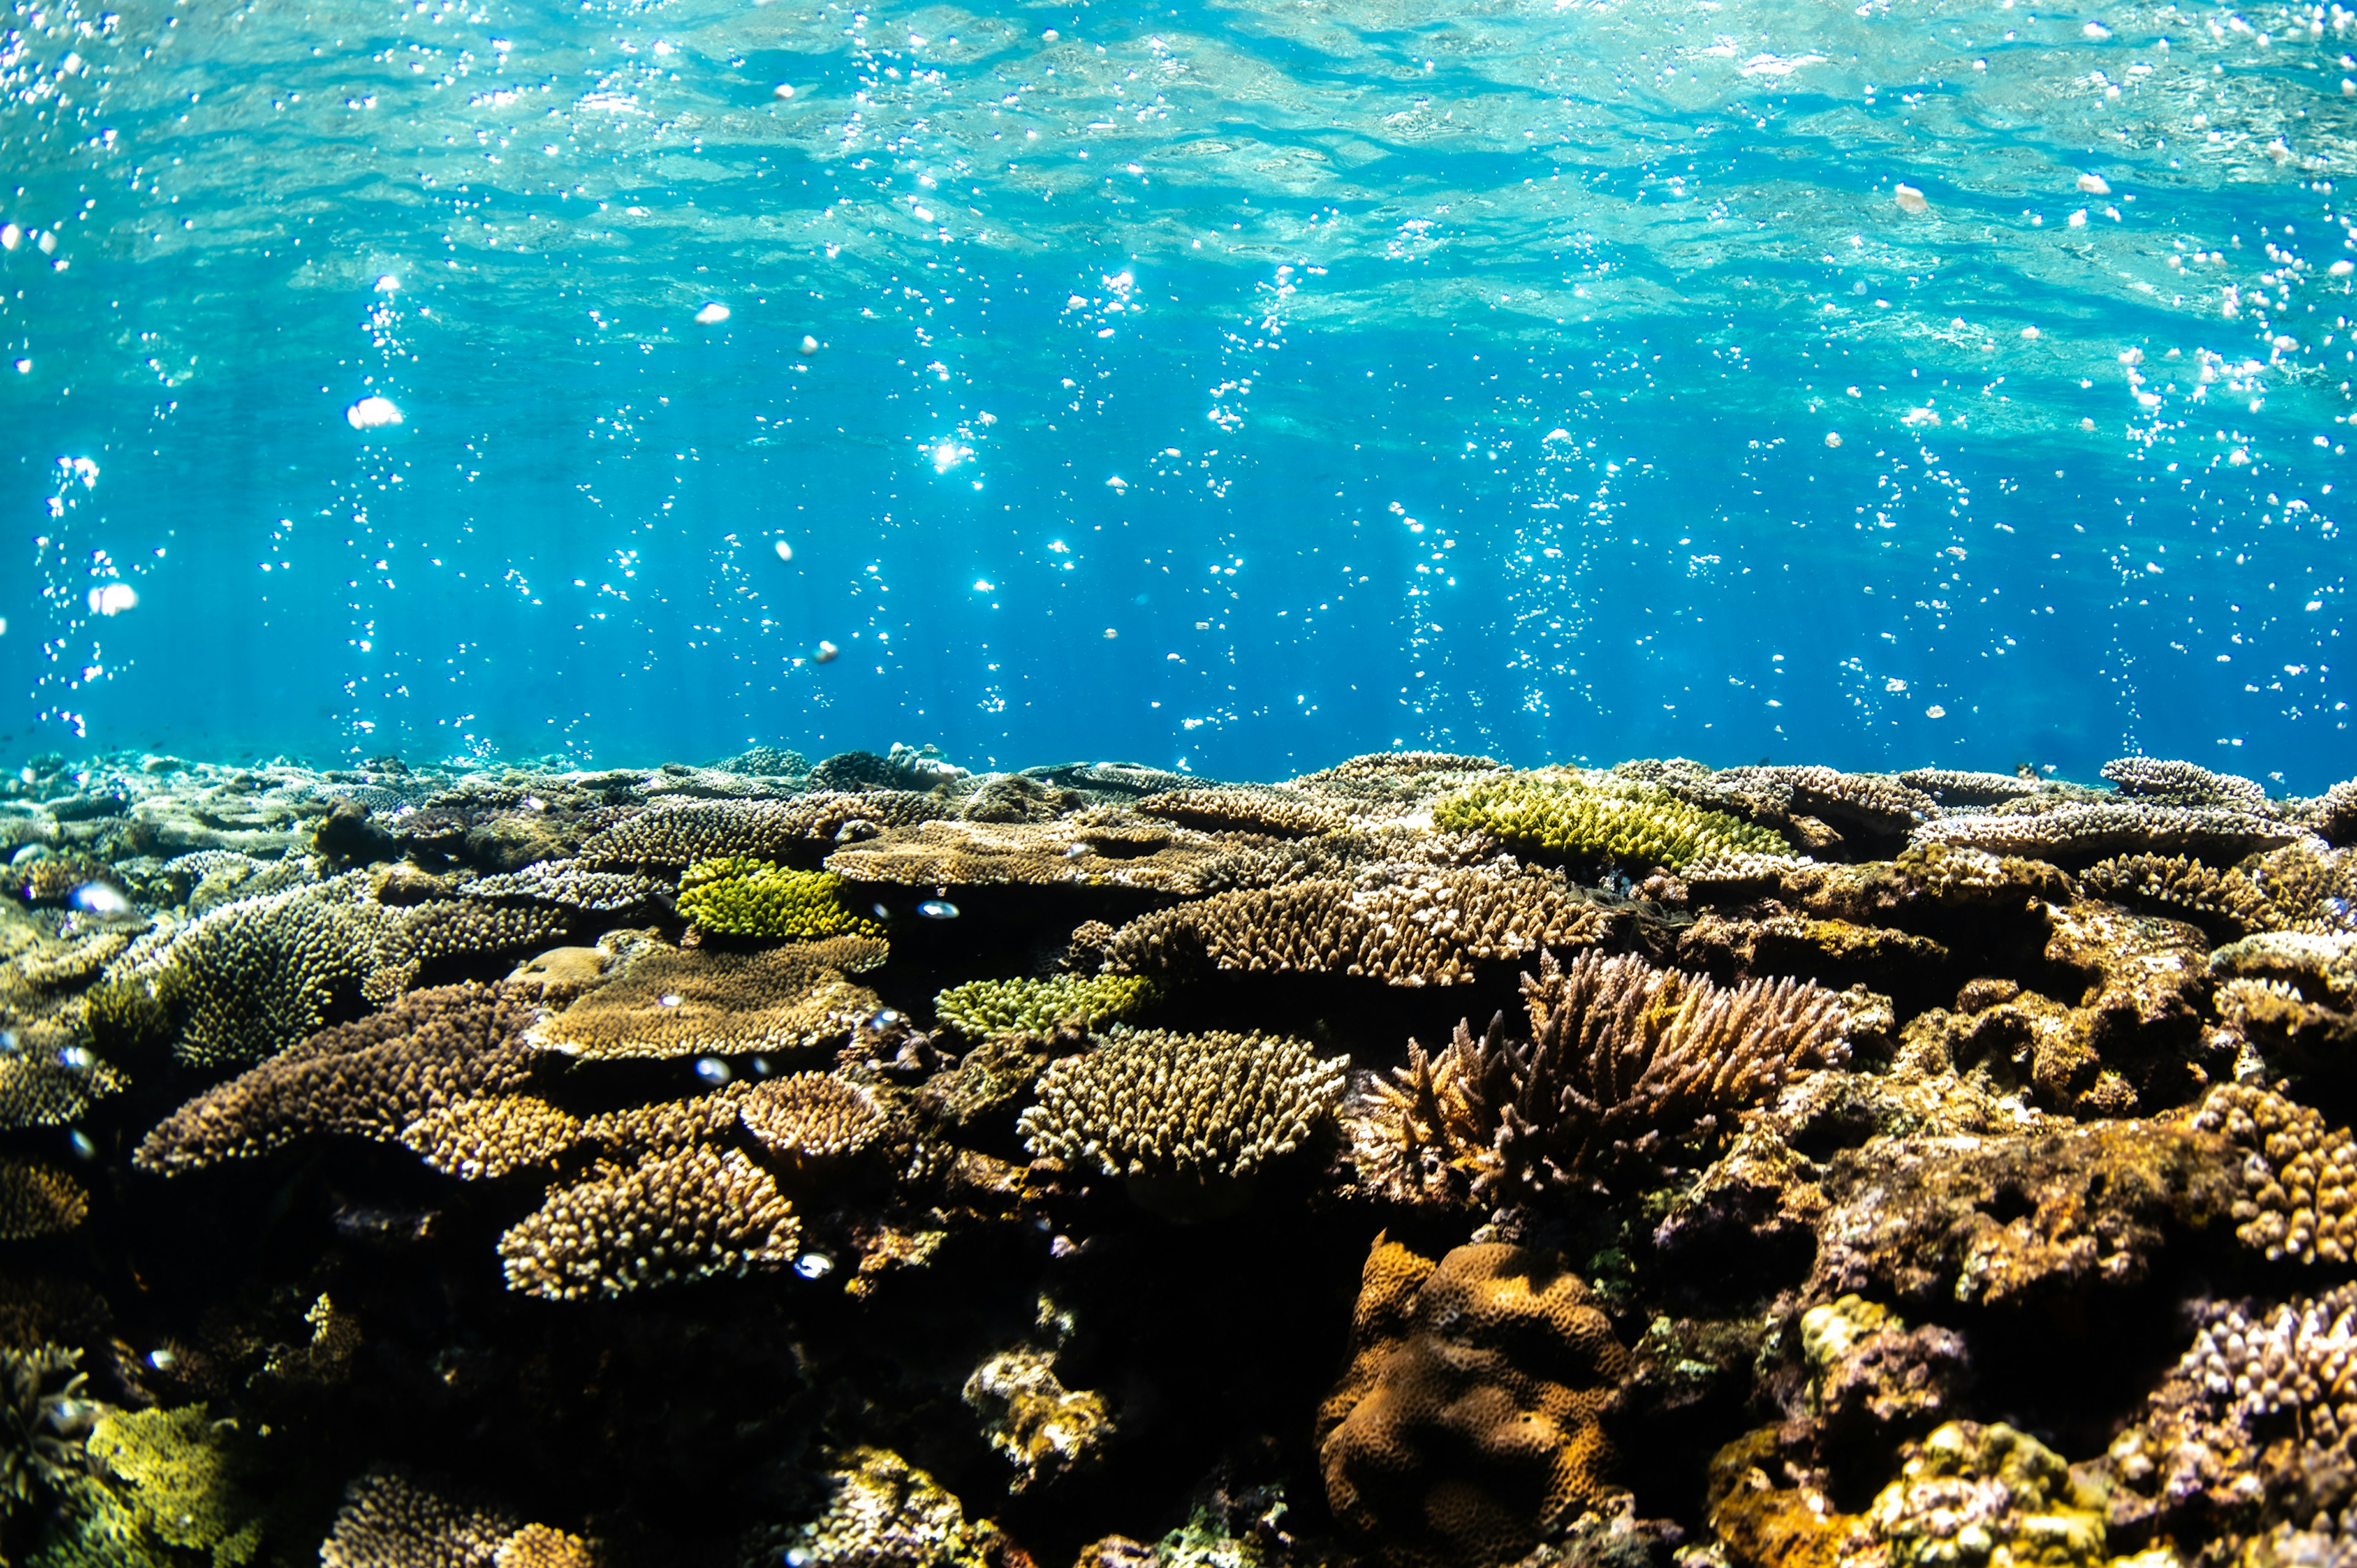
(737, 897)
(692, 1002)
(1185, 1118)
(1623, 1061)
(1037, 1007)
(1470, 1419)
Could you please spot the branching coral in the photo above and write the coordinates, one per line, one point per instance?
(1245, 811)
(1469, 1421)
(684, 1214)
(495, 1136)
(673, 837)
(1599, 817)
(1174, 1112)
(1405, 925)
(1098, 849)
(737, 897)
(1959, 790)
(370, 1079)
(2299, 1195)
(392, 1520)
(37, 1200)
(2074, 831)
(809, 1118)
(564, 883)
(2184, 784)
(1623, 1061)
(677, 1002)
(182, 1479)
(51, 1087)
(1037, 1007)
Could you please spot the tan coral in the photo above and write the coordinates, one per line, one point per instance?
(675, 836)
(1245, 811)
(1078, 851)
(2298, 1190)
(1469, 1421)
(38, 1200)
(694, 1001)
(390, 1520)
(1402, 925)
(480, 1139)
(370, 1078)
(809, 1118)
(685, 1214)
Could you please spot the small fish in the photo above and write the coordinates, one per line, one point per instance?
(384, 1226)
(938, 909)
(813, 1265)
(99, 898)
(77, 1059)
(7, 1041)
(824, 653)
(713, 1071)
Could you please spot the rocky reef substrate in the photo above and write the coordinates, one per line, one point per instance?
(1420, 1163)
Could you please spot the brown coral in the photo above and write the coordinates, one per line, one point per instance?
(392, 1520)
(1623, 1061)
(677, 1002)
(685, 1214)
(673, 836)
(1089, 851)
(1469, 1421)
(1245, 811)
(813, 1117)
(2299, 1196)
(478, 1139)
(371, 1079)
(37, 1200)
(1402, 925)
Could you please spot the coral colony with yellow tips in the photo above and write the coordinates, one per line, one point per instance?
(1262, 786)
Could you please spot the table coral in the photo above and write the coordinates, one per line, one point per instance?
(1176, 1112)
(812, 1118)
(2076, 832)
(566, 883)
(1246, 810)
(2184, 784)
(1110, 852)
(1470, 1418)
(390, 1520)
(982, 1008)
(1622, 1061)
(736, 896)
(685, 1214)
(371, 1079)
(496, 1135)
(673, 836)
(1600, 818)
(1404, 925)
(675, 1002)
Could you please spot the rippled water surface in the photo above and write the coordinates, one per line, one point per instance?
(1234, 387)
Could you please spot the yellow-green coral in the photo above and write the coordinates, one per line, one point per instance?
(179, 1479)
(738, 896)
(1635, 824)
(982, 1007)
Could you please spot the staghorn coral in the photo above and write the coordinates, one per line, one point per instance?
(674, 1001)
(883, 1513)
(1245, 811)
(1623, 1062)
(1402, 925)
(1183, 1117)
(390, 1520)
(684, 1214)
(808, 1118)
(1469, 1419)
(370, 1078)
(737, 897)
(982, 1008)
(671, 837)
(1598, 817)
(38, 1200)
(2184, 784)
(478, 1139)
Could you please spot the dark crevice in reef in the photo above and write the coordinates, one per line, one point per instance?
(1419, 1162)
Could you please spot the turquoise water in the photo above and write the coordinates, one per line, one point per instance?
(1221, 387)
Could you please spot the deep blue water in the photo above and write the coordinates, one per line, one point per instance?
(1222, 386)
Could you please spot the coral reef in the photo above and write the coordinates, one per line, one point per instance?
(1961, 1158)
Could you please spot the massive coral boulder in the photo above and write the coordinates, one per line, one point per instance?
(1471, 1419)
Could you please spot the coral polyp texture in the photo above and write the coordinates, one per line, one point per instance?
(738, 896)
(1600, 818)
(803, 1160)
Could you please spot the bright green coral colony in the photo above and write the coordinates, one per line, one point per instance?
(1036, 1006)
(738, 896)
(1633, 825)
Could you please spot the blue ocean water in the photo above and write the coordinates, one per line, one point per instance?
(1226, 387)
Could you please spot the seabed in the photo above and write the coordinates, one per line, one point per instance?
(1419, 1162)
